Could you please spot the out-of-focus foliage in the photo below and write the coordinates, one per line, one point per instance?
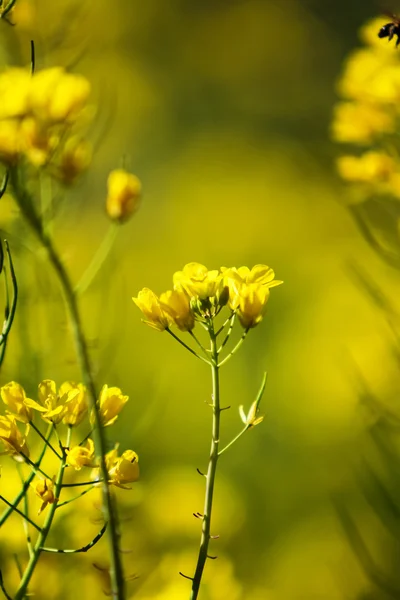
(223, 110)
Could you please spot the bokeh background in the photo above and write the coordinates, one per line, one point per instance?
(223, 110)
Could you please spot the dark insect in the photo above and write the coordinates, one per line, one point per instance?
(391, 29)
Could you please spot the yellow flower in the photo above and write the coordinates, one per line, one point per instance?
(75, 158)
(360, 123)
(236, 278)
(44, 488)
(13, 395)
(177, 305)
(198, 281)
(124, 191)
(13, 440)
(125, 469)
(76, 405)
(152, 309)
(81, 456)
(54, 406)
(252, 303)
(368, 34)
(57, 96)
(15, 84)
(369, 167)
(37, 141)
(10, 141)
(110, 404)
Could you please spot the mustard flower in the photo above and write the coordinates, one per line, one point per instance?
(361, 123)
(44, 488)
(54, 406)
(369, 167)
(110, 403)
(125, 469)
(13, 395)
(236, 278)
(15, 85)
(81, 456)
(37, 141)
(74, 159)
(10, 141)
(13, 440)
(198, 281)
(252, 303)
(57, 96)
(151, 307)
(124, 191)
(76, 404)
(177, 305)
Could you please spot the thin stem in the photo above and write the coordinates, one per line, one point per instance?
(98, 260)
(26, 204)
(196, 339)
(239, 435)
(19, 512)
(236, 348)
(83, 549)
(22, 590)
(228, 334)
(211, 471)
(187, 347)
(40, 434)
(224, 324)
(28, 481)
(64, 485)
(89, 489)
(26, 513)
(36, 469)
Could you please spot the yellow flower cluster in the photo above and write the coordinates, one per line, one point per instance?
(39, 117)
(368, 116)
(199, 294)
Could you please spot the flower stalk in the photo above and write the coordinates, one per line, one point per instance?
(212, 467)
(26, 206)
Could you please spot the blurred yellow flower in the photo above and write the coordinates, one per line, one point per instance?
(15, 85)
(76, 405)
(81, 456)
(369, 167)
(13, 440)
(75, 158)
(252, 303)
(360, 123)
(151, 307)
(198, 281)
(13, 395)
(37, 141)
(123, 198)
(125, 469)
(176, 304)
(10, 141)
(111, 402)
(44, 488)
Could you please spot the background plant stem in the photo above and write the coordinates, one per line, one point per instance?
(27, 208)
(212, 468)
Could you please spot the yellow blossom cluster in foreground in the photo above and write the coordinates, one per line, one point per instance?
(63, 406)
(41, 117)
(367, 117)
(199, 294)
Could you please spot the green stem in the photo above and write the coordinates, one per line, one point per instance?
(89, 489)
(186, 346)
(23, 586)
(12, 505)
(26, 513)
(40, 434)
(236, 348)
(211, 471)
(98, 260)
(235, 439)
(26, 204)
(19, 512)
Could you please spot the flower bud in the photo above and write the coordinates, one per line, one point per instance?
(124, 191)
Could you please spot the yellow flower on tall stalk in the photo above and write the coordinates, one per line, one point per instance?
(177, 305)
(15, 86)
(123, 198)
(252, 304)
(53, 405)
(155, 313)
(44, 488)
(14, 396)
(196, 280)
(76, 405)
(81, 456)
(125, 469)
(236, 278)
(14, 441)
(111, 402)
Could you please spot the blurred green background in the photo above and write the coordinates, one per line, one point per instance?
(222, 109)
